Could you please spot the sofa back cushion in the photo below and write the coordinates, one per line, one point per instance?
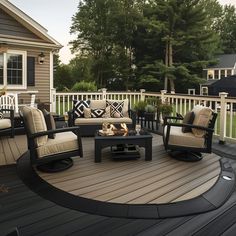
(35, 123)
(202, 118)
(97, 104)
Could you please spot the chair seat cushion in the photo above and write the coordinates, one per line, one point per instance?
(63, 142)
(178, 138)
(99, 121)
(5, 123)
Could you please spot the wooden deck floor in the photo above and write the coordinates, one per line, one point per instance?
(11, 149)
(161, 180)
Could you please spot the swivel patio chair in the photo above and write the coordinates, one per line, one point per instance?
(187, 140)
(50, 149)
(7, 122)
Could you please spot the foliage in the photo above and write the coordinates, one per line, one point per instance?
(150, 108)
(84, 86)
(166, 108)
(226, 27)
(140, 105)
(167, 40)
(63, 78)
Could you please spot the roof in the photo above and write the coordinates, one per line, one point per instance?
(227, 82)
(29, 23)
(225, 61)
(209, 82)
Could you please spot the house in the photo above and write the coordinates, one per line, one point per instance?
(26, 55)
(225, 67)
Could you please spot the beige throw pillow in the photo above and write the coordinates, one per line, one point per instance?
(202, 118)
(87, 112)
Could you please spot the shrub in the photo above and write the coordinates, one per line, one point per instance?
(84, 86)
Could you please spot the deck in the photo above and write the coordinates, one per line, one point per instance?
(129, 182)
(161, 180)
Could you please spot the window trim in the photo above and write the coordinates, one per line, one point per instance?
(24, 70)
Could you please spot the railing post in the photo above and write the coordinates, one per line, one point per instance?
(163, 98)
(16, 103)
(104, 93)
(223, 113)
(142, 95)
(53, 101)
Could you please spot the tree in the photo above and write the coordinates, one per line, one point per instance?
(181, 35)
(226, 27)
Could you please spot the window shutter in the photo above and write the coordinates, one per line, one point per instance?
(30, 71)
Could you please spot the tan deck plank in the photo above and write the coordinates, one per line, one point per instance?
(14, 149)
(135, 181)
(2, 154)
(194, 192)
(159, 183)
(8, 152)
(91, 170)
(201, 179)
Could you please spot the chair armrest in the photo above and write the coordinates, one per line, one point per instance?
(166, 118)
(53, 131)
(191, 126)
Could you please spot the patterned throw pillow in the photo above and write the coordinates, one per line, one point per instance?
(98, 113)
(79, 107)
(116, 108)
(1, 115)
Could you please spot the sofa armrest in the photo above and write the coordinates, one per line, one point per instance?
(71, 120)
(132, 116)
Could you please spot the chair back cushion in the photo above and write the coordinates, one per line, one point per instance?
(202, 118)
(35, 122)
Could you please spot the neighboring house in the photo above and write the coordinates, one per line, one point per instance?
(225, 67)
(26, 55)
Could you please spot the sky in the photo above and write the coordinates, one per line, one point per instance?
(55, 16)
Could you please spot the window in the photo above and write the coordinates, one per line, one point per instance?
(222, 74)
(205, 91)
(216, 74)
(13, 69)
(229, 73)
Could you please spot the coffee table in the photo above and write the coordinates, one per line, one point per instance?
(101, 142)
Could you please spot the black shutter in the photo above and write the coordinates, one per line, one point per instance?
(30, 71)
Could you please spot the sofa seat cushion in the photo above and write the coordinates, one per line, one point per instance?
(63, 142)
(5, 123)
(178, 138)
(99, 121)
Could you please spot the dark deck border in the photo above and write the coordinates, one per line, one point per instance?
(210, 200)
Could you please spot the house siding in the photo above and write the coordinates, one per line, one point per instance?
(10, 27)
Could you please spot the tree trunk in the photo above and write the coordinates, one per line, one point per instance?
(170, 58)
(166, 63)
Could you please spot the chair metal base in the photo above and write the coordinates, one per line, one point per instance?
(186, 156)
(56, 166)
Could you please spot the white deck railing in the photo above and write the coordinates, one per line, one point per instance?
(225, 127)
